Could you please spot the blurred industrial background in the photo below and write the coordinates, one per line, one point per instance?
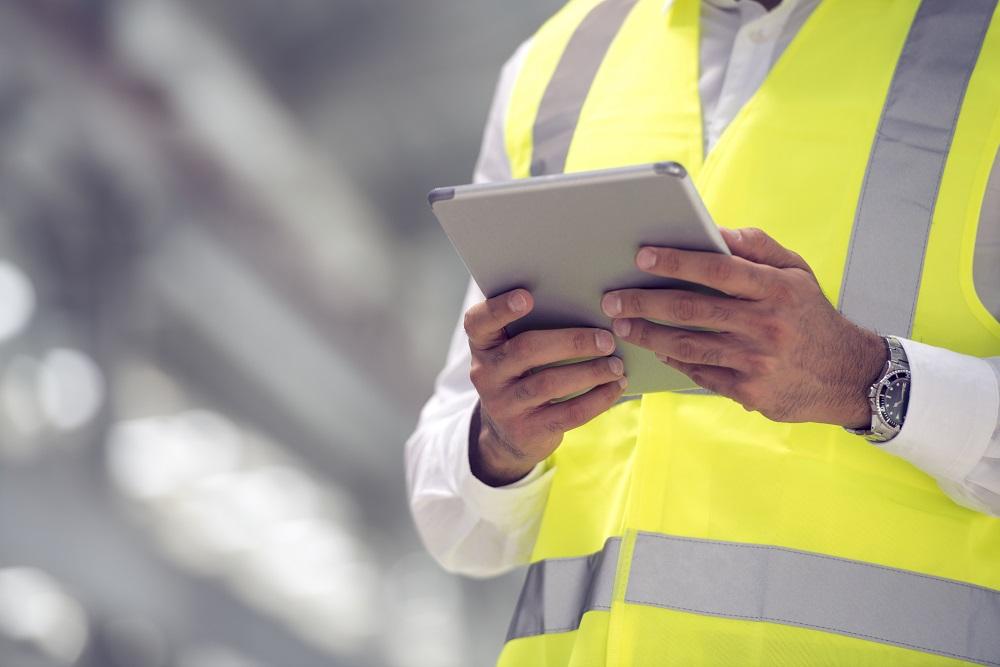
(222, 303)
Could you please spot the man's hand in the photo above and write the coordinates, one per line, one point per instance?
(519, 425)
(777, 346)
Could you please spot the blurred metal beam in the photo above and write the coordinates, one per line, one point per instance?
(302, 372)
(233, 118)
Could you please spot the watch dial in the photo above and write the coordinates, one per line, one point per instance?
(894, 397)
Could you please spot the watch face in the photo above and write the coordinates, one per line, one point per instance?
(893, 396)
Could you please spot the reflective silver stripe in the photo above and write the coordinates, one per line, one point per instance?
(557, 592)
(790, 587)
(886, 253)
(986, 261)
(766, 583)
(563, 98)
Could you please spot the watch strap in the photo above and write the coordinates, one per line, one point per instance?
(881, 431)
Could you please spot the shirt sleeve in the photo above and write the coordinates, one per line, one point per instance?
(952, 427)
(470, 527)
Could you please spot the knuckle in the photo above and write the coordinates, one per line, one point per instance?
(770, 326)
(773, 331)
(668, 260)
(781, 291)
(746, 394)
(721, 313)
(498, 354)
(720, 269)
(753, 275)
(526, 389)
(582, 342)
(635, 302)
(477, 374)
(712, 356)
(469, 321)
(804, 282)
(760, 365)
(542, 384)
(684, 308)
(525, 345)
(757, 237)
(641, 333)
(685, 347)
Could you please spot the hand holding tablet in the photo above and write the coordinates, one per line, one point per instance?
(570, 238)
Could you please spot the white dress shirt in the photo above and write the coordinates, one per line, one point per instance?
(952, 428)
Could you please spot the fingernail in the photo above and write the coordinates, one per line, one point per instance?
(735, 233)
(645, 259)
(623, 382)
(604, 341)
(612, 304)
(616, 365)
(622, 327)
(517, 302)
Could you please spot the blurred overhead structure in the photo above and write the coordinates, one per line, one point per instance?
(221, 303)
(336, 234)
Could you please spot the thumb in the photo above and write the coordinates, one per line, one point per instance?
(753, 244)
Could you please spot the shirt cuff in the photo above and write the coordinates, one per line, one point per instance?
(509, 506)
(951, 414)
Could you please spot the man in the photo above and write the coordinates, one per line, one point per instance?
(748, 525)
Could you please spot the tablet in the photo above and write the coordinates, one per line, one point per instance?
(569, 238)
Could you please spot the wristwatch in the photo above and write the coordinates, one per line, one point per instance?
(888, 396)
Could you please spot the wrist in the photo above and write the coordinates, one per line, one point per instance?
(488, 459)
(871, 362)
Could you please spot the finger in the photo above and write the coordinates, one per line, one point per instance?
(561, 381)
(694, 347)
(532, 349)
(734, 276)
(755, 245)
(565, 416)
(484, 322)
(714, 378)
(679, 307)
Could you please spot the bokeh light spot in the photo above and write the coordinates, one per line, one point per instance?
(17, 300)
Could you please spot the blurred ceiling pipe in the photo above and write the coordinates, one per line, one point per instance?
(243, 319)
(233, 118)
(228, 302)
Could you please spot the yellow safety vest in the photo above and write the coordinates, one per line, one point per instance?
(682, 530)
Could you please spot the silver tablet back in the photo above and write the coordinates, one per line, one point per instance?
(569, 238)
